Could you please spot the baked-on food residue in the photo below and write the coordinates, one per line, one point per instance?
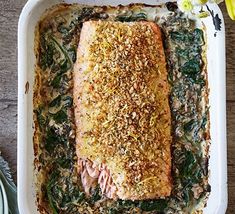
(115, 131)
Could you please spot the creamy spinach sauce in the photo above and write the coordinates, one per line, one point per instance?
(61, 188)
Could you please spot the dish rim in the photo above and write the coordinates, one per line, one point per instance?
(23, 99)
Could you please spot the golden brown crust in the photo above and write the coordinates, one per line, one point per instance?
(121, 106)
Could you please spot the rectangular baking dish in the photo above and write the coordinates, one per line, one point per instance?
(30, 15)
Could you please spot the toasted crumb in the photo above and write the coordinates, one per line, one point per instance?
(126, 125)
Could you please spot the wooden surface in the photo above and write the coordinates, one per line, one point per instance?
(9, 14)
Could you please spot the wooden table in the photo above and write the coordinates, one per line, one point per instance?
(9, 13)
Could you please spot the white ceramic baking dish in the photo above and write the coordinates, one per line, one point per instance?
(30, 15)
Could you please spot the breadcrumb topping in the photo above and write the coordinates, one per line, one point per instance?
(122, 109)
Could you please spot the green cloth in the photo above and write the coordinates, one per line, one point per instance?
(10, 187)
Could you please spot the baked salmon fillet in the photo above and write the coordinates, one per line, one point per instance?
(122, 113)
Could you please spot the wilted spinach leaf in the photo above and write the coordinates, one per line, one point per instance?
(66, 63)
(64, 66)
(63, 162)
(171, 6)
(186, 195)
(187, 164)
(40, 118)
(182, 36)
(46, 55)
(153, 205)
(50, 194)
(68, 101)
(60, 116)
(56, 81)
(126, 203)
(86, 13)
(96, 195)
(184, 53)
(198, 36)
(62, 29)
(131, 17)
(204, 120)
(52, 139)
(188, 127)
(191, 68)
(77, 195)
(72, 54)
(55, 102)
(113, 211)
